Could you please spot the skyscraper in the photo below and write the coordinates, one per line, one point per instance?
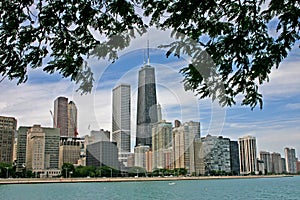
(266, 157)
(65, 117)
(8, 126)
(215, 153)
(247, 147)
(234, 157)
(161, 143)
(121, 120)
(72, 119)
(290, 160)
(183, 138)
(21, 147)
(121, 117)
(146, 105)
(61, 115)
(276, 163)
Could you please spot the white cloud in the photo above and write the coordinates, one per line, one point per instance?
(283, 81)
(31, 103)
(293, 106)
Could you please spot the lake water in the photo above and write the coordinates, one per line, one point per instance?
(262, 188)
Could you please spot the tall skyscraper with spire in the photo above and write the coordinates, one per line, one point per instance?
(146, 105)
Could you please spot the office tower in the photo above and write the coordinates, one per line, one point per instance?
(8, 126)
(290, 160)
(161, 143)
(65, 117)
(266, 157)
(121, 120)
(247, 149)
(146, 106)
(61, 115)
(140, 155)
(69, 150)
(216, 154)
(21, 148)
(183, 138)
(276, 163)
(199, 159)
(234, 158)
(42, 149)
(72, 120)
(102, 153)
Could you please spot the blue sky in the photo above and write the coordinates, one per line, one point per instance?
(276, 126)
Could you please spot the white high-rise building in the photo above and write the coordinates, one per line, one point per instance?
(248, 163)
(121, 120)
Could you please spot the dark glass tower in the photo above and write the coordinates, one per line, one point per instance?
(146, 106)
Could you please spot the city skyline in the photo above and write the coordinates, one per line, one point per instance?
(275, 127)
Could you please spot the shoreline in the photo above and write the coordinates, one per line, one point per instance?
(125, 179)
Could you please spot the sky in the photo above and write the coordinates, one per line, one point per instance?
(275, 127)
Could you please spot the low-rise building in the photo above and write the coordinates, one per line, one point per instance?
(102, 153)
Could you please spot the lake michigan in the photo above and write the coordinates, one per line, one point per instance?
(283, 188)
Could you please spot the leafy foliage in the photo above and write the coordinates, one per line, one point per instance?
(237, 42)
(6, 170)
(67, 169)
(57, 36)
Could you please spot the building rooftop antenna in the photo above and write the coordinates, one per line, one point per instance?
(148, 55)
(144, 61)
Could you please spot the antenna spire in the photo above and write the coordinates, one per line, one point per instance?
(144, 61)
(148, 52)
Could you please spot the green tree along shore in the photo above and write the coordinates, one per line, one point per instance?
(232, 43)
(68, 170)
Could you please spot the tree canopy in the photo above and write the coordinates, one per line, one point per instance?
(243, 39)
